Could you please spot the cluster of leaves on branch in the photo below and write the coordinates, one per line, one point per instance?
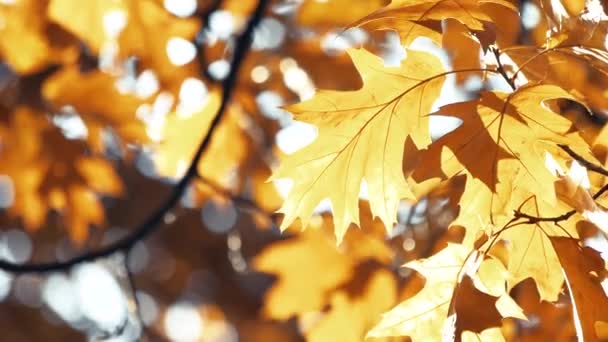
(501, 208)
(511, 145)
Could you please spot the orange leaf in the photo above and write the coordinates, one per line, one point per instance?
(585, 272)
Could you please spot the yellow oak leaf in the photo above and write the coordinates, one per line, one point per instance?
(491, 278)
(585, 273)
(302, 286)
(502, 141)
(532, 256)
(361, 137)
(480, 210)
(350, 317)
(407, 16)
(422, 317)
(455, 278)
(310, 268)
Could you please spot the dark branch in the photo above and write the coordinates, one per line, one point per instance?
(501, 68)
(154, 220)
(535, 219)
(554, 219)
(587, 164)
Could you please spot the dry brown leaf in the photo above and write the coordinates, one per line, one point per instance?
(585, 272)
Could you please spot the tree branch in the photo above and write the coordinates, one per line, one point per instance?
(554, 219)
(584, 162)
(153, 221)
(501, 68)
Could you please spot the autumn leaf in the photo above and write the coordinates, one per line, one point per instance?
(503, 137)
(92, 22)
(120, 30)
(492, 278)
(310, 268)
(141, 37)
(114, 109)
(474, 318)
(422, 317)
(503, 140)
(361, 136)
(180, 136)
(463, 48)
(51, 172)
(305, 255)
(455, 278)
(531, 254)
(407, 16)
(351, 317)
(584, 271)
(28, 41)
(581, 70)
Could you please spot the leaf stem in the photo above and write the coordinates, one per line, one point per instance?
(531, 219)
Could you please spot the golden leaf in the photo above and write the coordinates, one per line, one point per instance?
(361, 136)
(502, 144)
(408, 16)
(50, 172)
(28, 42)
(350, 317)
(310, 267)
(87, 22)
(82, 91)
(422, 317)
(585, 272)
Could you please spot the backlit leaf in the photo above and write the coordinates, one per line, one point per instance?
(361, 136)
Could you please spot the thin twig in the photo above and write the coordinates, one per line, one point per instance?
(501, 68)
(536, 219)
(240, 202)
(584, 162)
(154, 220)
(554, 219)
